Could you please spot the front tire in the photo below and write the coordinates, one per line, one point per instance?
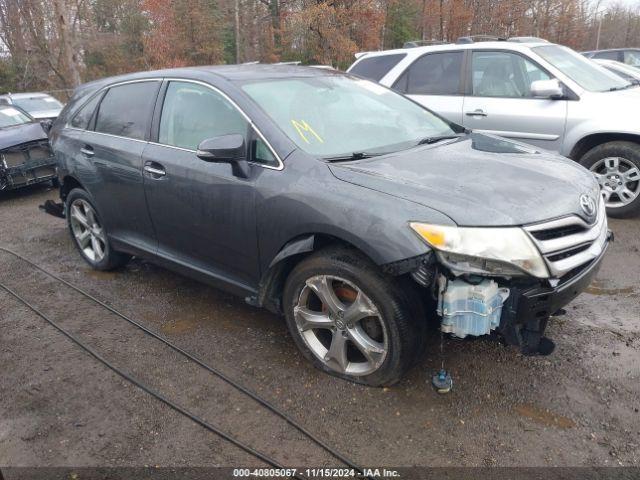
(88, 233)
(616, 166)
(351, 320)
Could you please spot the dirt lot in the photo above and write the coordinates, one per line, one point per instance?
(58, 406)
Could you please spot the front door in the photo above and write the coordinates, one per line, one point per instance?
(500, 100)
(204, 216)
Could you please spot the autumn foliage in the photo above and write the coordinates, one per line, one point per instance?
(51, 44)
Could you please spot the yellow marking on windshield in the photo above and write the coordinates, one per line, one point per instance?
(301, 127)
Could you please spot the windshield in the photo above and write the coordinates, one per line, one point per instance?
(10, 116)
(37, 104)
(334, 116)
(586, 73)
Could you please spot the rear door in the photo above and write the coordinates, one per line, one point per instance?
(203, 214)
(499, 100)
(114, 149)
(435, 81)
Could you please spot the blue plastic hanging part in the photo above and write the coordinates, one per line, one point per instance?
(442, 382)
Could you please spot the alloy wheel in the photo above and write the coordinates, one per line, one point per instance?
(87, 230)
(619, 180)
(341, 325)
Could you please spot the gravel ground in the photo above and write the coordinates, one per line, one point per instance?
(60, 407)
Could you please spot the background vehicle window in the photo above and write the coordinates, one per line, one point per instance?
(10, 116)
(83, 117)
(35, 104)
(620, 73)
(632, 57)
(607, 55)
(435, 74)
(126, 110)
(192, 113)
(503, 74)
(586, 73)
(376, 67)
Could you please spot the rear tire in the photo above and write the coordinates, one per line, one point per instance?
(88, 233)
(617, 168)
(376, 321)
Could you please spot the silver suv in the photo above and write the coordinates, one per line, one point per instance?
(532, 91)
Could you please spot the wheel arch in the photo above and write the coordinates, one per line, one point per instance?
(293, 252)
(69, 182)
(588, 142)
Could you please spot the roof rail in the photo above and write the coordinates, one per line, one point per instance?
(527, 39)
(422, 43)
(480, 38)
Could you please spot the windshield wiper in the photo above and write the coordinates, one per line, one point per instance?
(353, 156)
(438, 138)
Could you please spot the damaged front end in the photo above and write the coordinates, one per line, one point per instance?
(510, 281)
(26, 164)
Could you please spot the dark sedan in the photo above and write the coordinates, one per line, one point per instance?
(25, 155)
(352, 210)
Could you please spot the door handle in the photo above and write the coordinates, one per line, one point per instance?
(87, 151)
(155, 170)
(476, 113)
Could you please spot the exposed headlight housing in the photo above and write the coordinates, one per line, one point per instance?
(492, 251)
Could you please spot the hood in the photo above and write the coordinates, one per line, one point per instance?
(28, 132)
(44, 114)
(478, 180)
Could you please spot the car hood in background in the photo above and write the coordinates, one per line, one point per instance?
(28, 132)
(479, 180)
(44, 114)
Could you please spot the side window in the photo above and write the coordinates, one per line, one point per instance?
(192, 113)
(262, 153)
(126, 110)
(632, 57)
(607, 55)
(375, 68)
(83, 117)
(504, 74)
(435, 74)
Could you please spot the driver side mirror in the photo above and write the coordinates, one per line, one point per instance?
(547, 89)
(226, 149)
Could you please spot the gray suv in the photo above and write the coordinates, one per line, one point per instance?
(345, 206)
(532, 91)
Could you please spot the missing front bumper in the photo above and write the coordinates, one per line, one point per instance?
(518, 310)
(526, 312)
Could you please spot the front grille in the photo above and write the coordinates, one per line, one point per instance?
(557, 232)
(569, 242)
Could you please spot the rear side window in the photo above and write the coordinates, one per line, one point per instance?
(375, 68)
(83, 117)
(435, 74)
(192, 113)
(607, 55)
(126, 110)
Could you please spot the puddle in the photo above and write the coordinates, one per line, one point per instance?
(180, 326)
(544, 417)
(99, 275)
(599, 288)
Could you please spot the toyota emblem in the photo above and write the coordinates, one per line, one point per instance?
(588, 205)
